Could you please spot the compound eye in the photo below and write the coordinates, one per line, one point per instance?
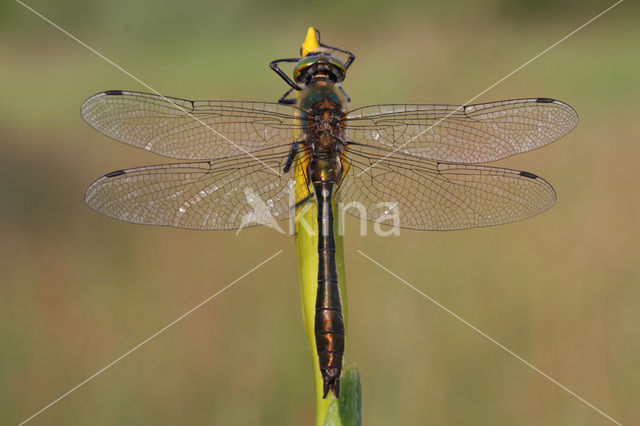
(301, 66)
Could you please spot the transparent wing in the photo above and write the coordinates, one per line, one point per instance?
(224, 194)
(429, 195)
(190, 130)
(462, 134)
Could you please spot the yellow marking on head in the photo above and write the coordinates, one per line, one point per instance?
(310, 42)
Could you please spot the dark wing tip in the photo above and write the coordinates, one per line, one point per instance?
(94, 188)
(541, 181)
(88, 105)
(115, 173)
(525, 174)
(572, 118)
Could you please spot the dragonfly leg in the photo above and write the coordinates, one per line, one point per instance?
(287, 101)
(275, 67)
(292, 153)
(352, 57)
(301, 202)
(347, 98)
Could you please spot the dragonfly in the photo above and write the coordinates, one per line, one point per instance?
(425, 160)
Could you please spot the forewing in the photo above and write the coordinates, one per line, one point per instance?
(213, 195)
(429, 195)
(463, 134)
(190, 130)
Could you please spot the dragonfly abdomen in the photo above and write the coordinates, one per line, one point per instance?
(329, 323)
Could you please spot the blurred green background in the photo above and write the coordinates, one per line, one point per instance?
(79, 289)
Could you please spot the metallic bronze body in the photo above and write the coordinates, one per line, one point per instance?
(425, 161)
(324, 145)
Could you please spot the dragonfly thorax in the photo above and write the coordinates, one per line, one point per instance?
(324, 137)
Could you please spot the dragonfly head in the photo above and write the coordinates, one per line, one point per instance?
(319, 65)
